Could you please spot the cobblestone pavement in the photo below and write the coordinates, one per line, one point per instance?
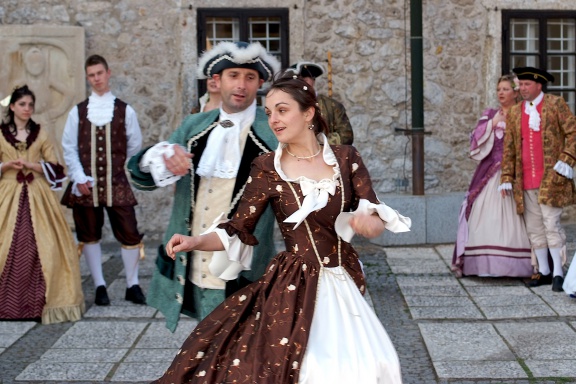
(446, 330)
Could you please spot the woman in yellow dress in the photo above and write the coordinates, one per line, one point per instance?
(39, 267)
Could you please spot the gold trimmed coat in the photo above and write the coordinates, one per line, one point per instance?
(558, 126)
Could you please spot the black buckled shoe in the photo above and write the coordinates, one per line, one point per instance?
(557, 282)
(101, 296)
(135, 295)
(540, 279)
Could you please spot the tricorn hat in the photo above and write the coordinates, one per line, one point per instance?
(307, 69)
(534, 74)
(237, 55)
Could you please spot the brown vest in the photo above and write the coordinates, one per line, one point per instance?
(102, 152)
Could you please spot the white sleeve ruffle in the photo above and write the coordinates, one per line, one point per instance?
(235, 258)
(51, 176)
(505, 187)
(393, 220)
(564, 169)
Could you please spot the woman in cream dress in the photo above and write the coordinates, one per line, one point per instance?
(492, 238)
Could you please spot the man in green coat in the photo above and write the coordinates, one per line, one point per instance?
(209, 158)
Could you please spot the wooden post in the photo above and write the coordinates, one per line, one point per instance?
(329, 74)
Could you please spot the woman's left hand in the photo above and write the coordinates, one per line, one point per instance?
(27, 164)
(369, 226)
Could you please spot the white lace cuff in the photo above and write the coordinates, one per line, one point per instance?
(564, 169)
(236, 257)
(152, 162)
(505, 187)
(393, 220)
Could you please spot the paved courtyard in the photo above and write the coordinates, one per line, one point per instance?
(446, 330)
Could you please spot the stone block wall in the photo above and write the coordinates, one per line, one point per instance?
(151, 47)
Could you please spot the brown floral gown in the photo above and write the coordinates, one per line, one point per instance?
(260, 334)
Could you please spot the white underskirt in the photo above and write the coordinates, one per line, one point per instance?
(347, 342)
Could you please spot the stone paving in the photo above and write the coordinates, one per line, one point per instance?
(446, 330)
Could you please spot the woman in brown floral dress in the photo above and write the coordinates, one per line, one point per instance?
(305, 321)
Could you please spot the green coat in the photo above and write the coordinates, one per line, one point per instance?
(558, 126)
(166, 292)
(340, 129)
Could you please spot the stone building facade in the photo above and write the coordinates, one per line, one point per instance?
(151, 46)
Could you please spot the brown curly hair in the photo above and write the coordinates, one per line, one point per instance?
(304, 94)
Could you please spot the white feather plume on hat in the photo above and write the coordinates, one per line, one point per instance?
(237, 55)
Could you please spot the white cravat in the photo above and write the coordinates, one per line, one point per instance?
(315, 192)
(530, 108)
(222, 156)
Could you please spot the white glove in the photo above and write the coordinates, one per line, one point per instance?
(153, 162)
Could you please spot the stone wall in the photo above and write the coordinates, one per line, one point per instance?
(151, 47)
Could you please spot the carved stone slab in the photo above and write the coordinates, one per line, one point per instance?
(50, 60)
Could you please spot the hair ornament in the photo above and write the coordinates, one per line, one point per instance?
(305, 88)
(5, 101)
(514, 82)
(294, 77)
(515, 85)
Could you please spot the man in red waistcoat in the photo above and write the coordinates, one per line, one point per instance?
(539, 153)
(101, 133)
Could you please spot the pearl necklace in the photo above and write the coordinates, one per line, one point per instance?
(304, 157)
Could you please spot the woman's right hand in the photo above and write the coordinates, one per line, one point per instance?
(179, 243)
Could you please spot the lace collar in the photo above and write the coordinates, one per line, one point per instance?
(101, 108)
(327, 155)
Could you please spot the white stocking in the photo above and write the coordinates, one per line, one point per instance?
(542, 256)
(557, 259)
(131, 257)
(93, 254)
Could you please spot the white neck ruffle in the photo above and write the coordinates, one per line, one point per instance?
(101, 108)
(531, 109)
(316, 193)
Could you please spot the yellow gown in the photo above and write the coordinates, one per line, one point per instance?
(52, 238)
